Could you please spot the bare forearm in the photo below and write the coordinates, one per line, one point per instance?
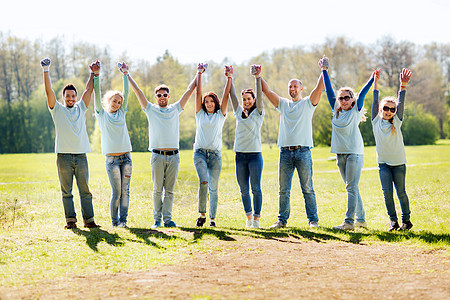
(51, 97)
(139, 94)
(273, 98)
(317, 91)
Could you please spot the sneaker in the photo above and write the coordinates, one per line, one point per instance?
(170, 224)
(200, 221)
(313, 224)
(278, 224)
(156, 224)
(406, 225)
(393, 226)
(122, 225)
(344, 226)
(249, 223)
(91, 225)
(212, 223)
(361, 224)
(71, 225)
(255, 224)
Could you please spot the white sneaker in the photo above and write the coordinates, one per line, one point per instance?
(361, 224)
(255, 224)
(249, 223)
(122, 225)
(344, 226)
(313, 224)
(277, 225)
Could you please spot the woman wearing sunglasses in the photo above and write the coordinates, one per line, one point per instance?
(210, 117)
(387, 118)
(247, 145)
(116, 145)
(347, 143)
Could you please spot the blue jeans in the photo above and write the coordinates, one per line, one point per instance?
(394, 174)
(249, 167)
(208, 164)
(301, 160)
(164, 176)
(70, 165)
(350, 166)
(119, 170)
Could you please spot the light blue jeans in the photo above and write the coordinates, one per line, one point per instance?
(301, 160)
(208, 164)
(164, 176)
(394, 174)
(119, 170)
(70, 165)
(249, 167)
(350, 166)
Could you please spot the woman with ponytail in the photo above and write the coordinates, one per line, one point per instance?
(387, 118)
(347, 143)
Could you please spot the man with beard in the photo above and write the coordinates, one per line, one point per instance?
(163, 131)
(295, 141)
(71, 145)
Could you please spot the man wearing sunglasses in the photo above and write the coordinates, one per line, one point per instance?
(295, 141)
(164, 137)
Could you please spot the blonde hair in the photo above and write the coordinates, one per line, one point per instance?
(394, 101)
(353, 96)
(108, 96)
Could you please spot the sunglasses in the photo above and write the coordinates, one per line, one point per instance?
(162, 95)
(387, 108)
(346, 98)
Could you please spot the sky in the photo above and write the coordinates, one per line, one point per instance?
(210, 30)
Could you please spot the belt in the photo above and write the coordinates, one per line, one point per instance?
(165, 152)
(292, 148)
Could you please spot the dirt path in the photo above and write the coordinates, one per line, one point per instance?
(279, 268)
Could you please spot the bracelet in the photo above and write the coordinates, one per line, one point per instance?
(46, 71)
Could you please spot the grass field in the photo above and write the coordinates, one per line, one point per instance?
(34, 246)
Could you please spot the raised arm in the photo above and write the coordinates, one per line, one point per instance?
(323, 63)
(124, 69)
(405, 77)
(198, 95)
(314, 97)
(86, 96)
(95, 68)
(226, 91)
(376, 93)
(273, 98)
(139, 94)
(255, 70)
(362, 94)
(51, 97)
(190, 90)
(234, 98)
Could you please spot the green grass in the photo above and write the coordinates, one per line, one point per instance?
(34, 246)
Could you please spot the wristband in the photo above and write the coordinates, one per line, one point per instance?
(45, 71)
(403, 86)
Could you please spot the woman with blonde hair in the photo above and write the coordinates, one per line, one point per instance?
(387, 118)
(347, 143)
(116, 145)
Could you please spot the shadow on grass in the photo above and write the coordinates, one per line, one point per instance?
(96, 235)
(145, 234)
(321, 235)
(200, 232)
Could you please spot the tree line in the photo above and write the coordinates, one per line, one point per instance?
(26, 124)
